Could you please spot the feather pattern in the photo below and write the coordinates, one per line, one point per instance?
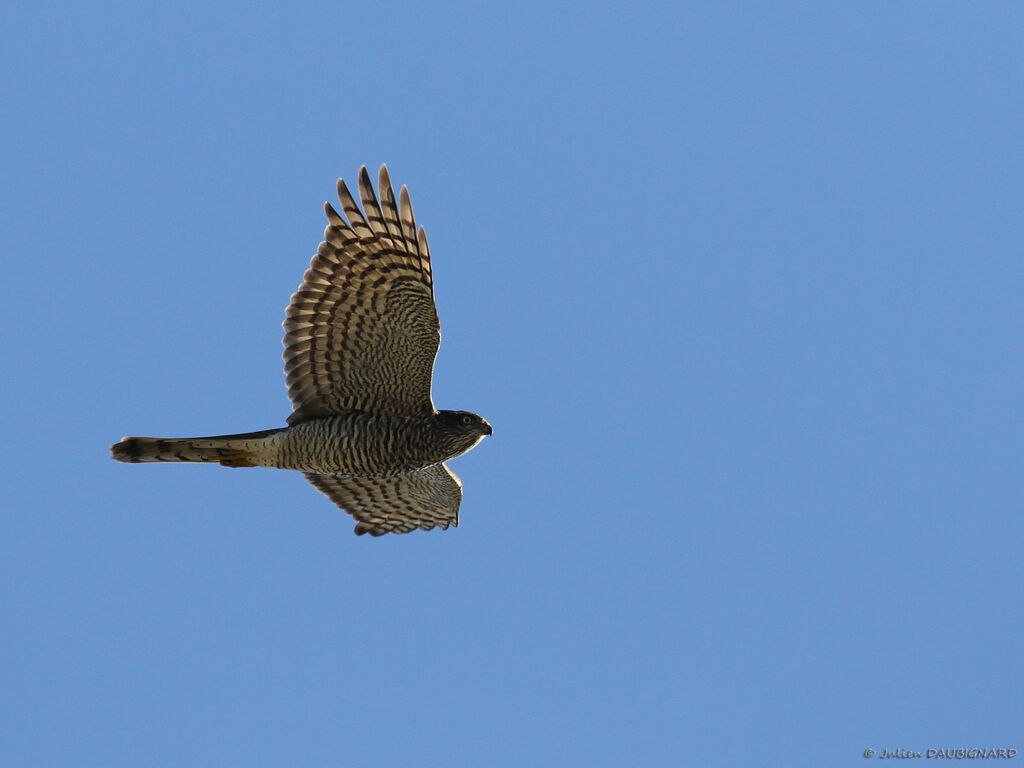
(424, 498)
(361, 332)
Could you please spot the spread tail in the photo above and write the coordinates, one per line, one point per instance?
(228, 450)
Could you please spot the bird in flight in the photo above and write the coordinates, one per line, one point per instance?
(361, 334)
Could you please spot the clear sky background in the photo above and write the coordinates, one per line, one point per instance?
(739, 285)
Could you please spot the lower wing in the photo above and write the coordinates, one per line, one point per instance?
(423, 498)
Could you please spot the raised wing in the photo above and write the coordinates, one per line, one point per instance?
(362, 332)
(423, 498)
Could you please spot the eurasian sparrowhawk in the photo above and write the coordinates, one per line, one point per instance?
(361, 334)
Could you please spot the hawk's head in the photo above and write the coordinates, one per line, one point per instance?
(461, 430)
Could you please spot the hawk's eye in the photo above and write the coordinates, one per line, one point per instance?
(467, 419)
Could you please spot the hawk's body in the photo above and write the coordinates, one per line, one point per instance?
(361, 334)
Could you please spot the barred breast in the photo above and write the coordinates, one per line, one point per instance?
(355, 443)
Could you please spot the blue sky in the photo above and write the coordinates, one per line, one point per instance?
(739, 286)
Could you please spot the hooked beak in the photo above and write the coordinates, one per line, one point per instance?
(487, 428)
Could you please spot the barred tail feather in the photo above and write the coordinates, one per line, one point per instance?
(227, 450)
